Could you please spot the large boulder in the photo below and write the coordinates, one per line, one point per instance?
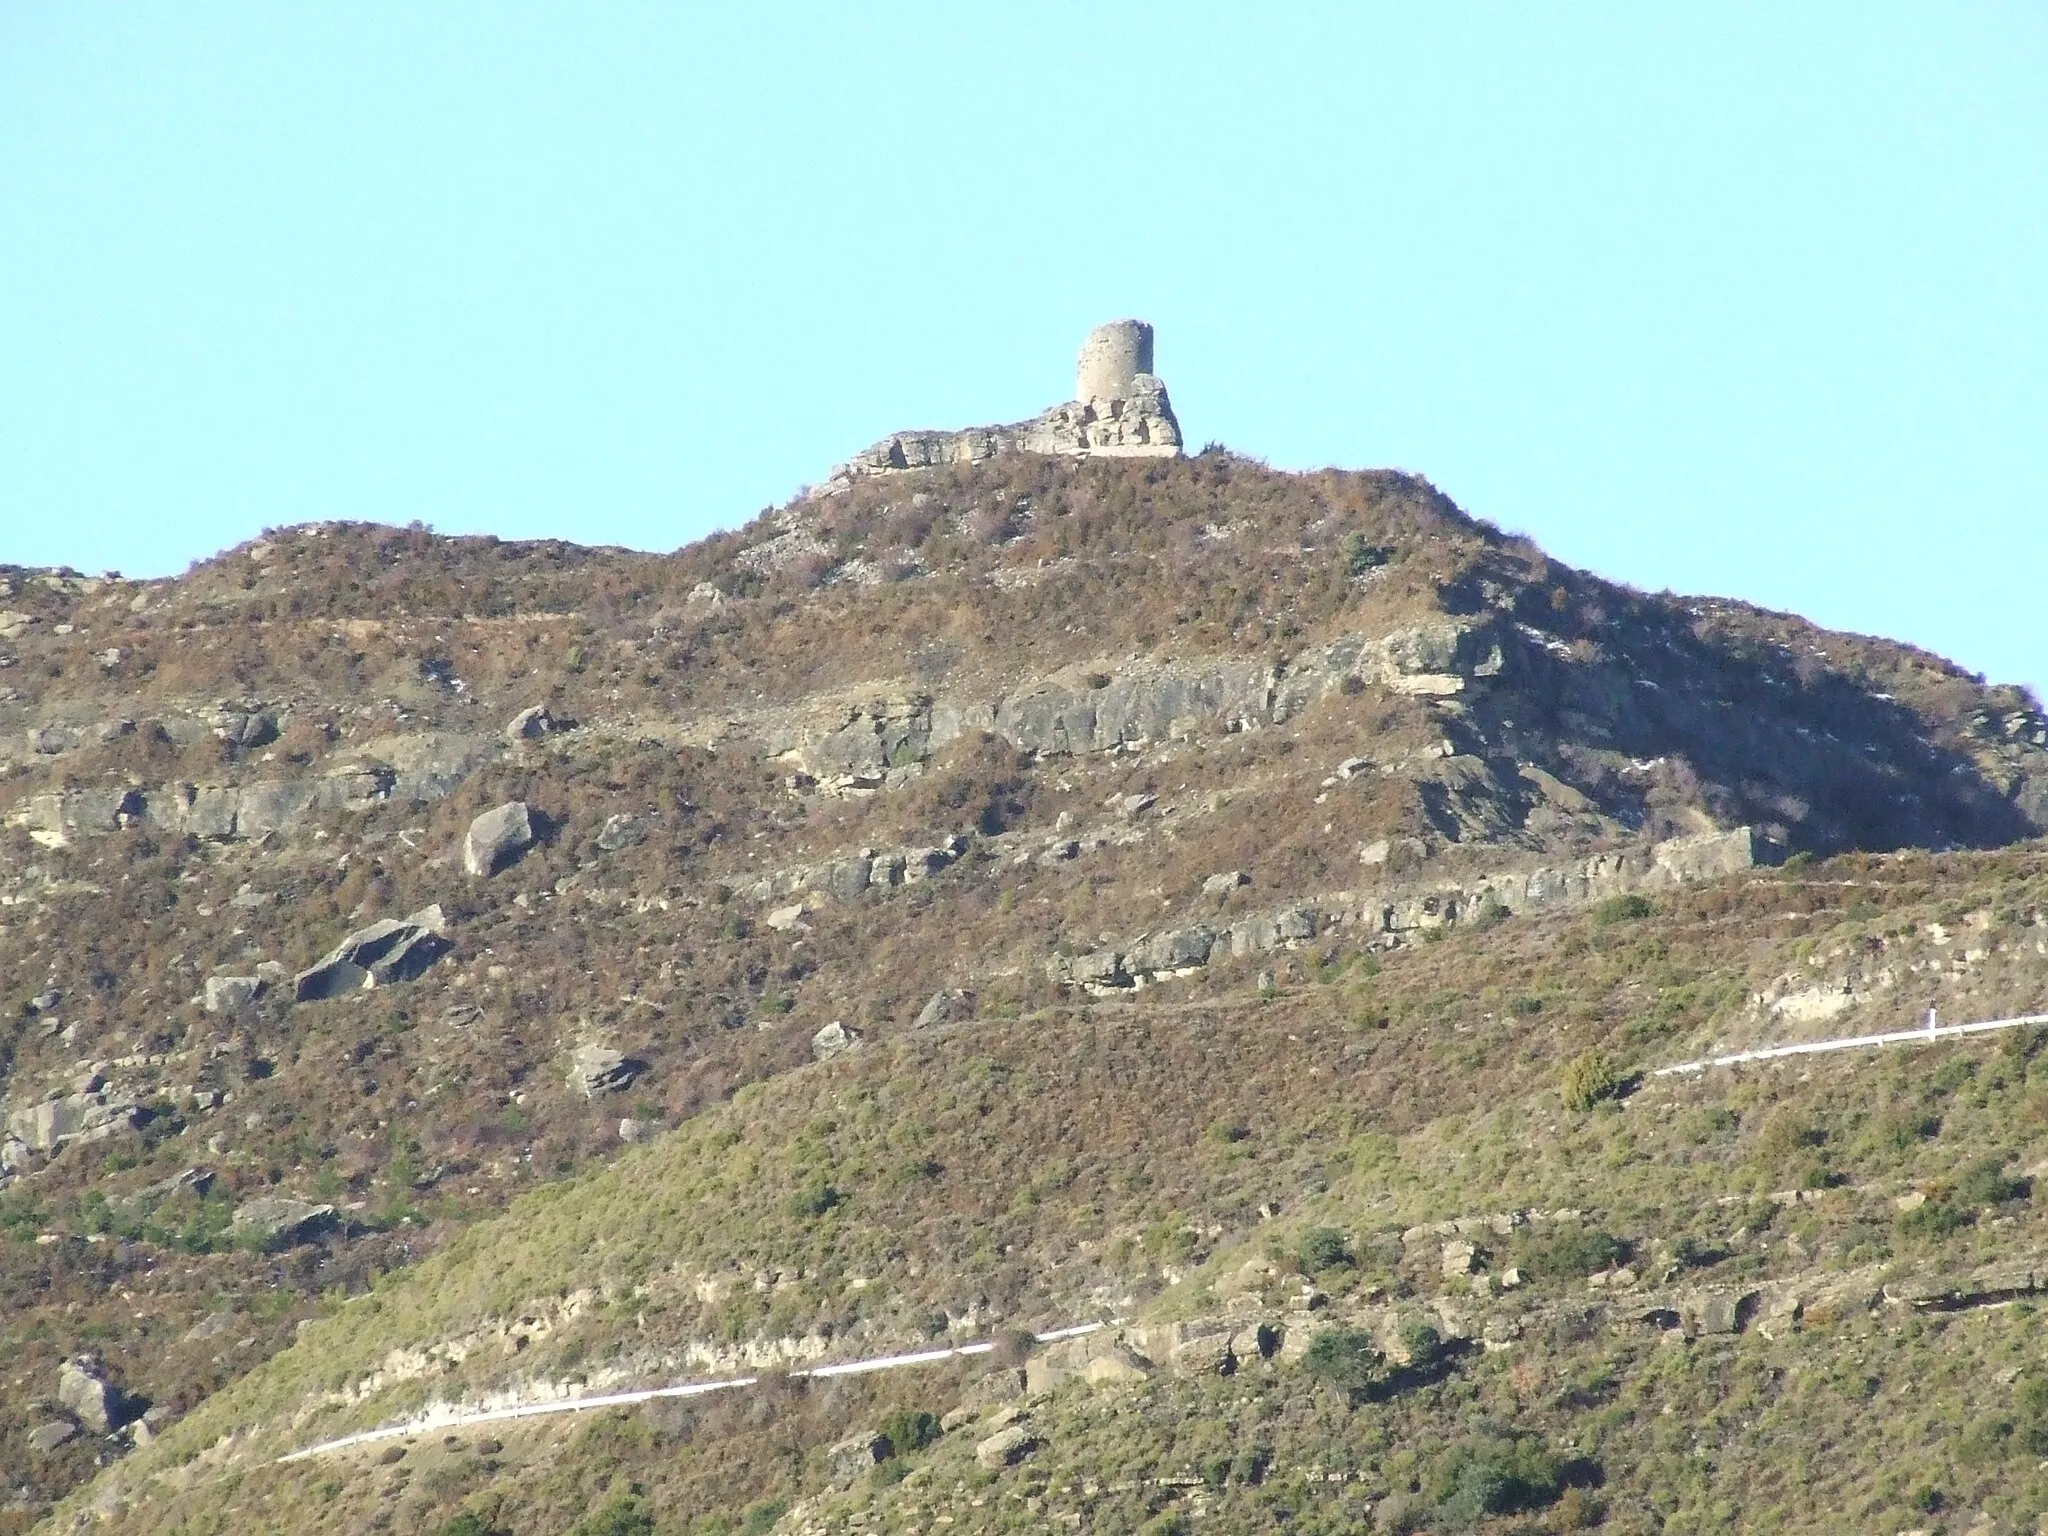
(835, 1039)
(45, 1438)
(529, 724)
(945, 1005)
(231, 994)
(856, 1456)
(390, 950)
(497, 838)
(1004, 1448)
(278, 1221)
(599, 1069)
(83, 1388)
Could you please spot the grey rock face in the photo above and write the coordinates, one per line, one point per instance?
(598, 1069)
(856, 1456)
(621, 832)
(835, 1039)
(231, 994)
(1225, 883)
(497, 838)
(638, 1132)
(945, 1006)
(83, 1388)
(278, 1221)
(390, 950)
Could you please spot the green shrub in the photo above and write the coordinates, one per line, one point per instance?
(1587, 1079)
(909, 1430)
(1493, 1474)
(1322, 1249)
(2030, 1414)
(469, 1524)
(1984, 1182)
(1569, 1251)
(1362, 555)
(1621, 909)
(1345, 1358)
(814, 1198)
(1421, 1343)
(624, 1514)
(1935, 1219)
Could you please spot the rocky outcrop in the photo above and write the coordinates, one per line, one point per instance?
(392, 950)
(278, 1221)
(1383, 918)
(45, 1438)
(90, 1115)
(873, 745)
(496, 839)
(850, 875)
(418, 768)
(835, 1039)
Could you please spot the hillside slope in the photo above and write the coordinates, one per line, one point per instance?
(1167, 842)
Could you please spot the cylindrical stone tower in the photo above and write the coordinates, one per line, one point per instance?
(1111, 357)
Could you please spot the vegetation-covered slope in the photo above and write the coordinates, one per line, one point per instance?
(1144, 826)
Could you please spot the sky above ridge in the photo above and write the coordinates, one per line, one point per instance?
(1744, 299)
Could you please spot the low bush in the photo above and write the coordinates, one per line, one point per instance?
(1588, 1079)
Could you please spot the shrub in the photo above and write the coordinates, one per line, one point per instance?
(1935, 1219)
(1345, 1358)
(814, 1199)
(1587, 1079)
(1570, 1251)
(469, 1523)
(2030, 1414)
(1321, 1249)
(909, 1430)
(622, 1515)
(1493, 1475)
(1362, 555)
(1621, 909)
(1421, 1343)
(1984, 1182)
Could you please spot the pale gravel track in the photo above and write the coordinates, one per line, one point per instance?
(431, 1422)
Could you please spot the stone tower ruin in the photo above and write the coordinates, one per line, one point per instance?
(1119, 410)
(1112, 358)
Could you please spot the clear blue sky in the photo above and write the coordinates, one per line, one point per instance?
(1737, 299)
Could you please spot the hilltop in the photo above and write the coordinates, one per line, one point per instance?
(986, 898)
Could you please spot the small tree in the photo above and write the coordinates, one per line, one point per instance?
(1346, 1358)
(1587, 1079)
(1321, 1249)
